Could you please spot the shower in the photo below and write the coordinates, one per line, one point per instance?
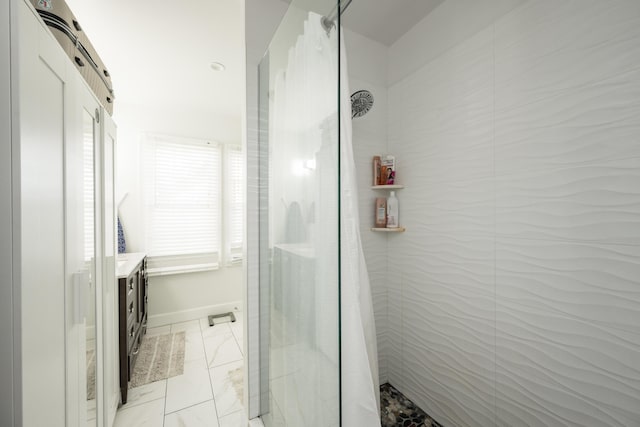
(320, 338)
(361, 103)
(511, 297)
(329, 21)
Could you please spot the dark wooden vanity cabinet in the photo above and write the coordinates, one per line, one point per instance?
(133, 298)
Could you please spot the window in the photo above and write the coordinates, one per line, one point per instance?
(182, 216)
(234, 202)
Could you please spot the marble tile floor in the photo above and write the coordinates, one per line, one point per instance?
(207, 394)
(398, 411)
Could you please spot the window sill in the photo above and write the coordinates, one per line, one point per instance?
(167, 271)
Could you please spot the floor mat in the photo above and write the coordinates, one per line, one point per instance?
(161, 357)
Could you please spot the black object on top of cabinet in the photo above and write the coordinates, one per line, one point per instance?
(133, 292)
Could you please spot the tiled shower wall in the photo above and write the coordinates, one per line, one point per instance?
(514, 295)
(367, 62)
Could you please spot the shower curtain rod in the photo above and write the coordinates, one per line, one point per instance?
(330, 20)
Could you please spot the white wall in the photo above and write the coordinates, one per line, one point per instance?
(514, 296)
(444, 28)
(261, 21)
(6, 236)
(181, 296)
(367, 62)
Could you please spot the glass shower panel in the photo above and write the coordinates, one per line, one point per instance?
(299, 221)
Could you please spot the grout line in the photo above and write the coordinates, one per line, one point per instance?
(166, 392)
(502, 236)
(495, 236)
(190, 406)
(133, 405)
(225, 364)
(166, 395)
(121, 409)
(237, 342)
(233, 413)
(213, 395)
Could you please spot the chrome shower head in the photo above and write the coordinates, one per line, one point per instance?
(361, 103)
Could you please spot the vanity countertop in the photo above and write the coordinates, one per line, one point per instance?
(127, 262)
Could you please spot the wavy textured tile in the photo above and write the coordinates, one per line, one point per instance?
(547, 45)
(369, 139)
(394, 331)
(448, 327)
(588, 203)
(459, 208)
(525, 134)
(567, 339)
(442, 116)
(568, 87)
(570, 127)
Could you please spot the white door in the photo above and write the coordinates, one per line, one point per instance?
(59, 137)
(109, 286)
(44, 100)
(83, 228)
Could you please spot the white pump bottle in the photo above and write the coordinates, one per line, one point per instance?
(392, 211)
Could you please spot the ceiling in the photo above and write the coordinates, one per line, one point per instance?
(159, 53)
(386, 20)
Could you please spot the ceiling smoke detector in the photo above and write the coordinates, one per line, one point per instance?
(218, 66)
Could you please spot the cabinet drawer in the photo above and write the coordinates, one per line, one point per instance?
(130, 309)
(131, 325)
(131, 288)
(133, 354)
(131, 335)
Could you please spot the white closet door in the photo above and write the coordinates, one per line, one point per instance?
(44, 97)
(109, 283)
(83, 318)
(6, 233)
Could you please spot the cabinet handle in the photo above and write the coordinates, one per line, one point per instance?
(136, 351)
(146, 300)
(131, 333)
(131, 285)
(79, 62)
(130, 308)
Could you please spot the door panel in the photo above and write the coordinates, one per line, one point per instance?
(43, 96)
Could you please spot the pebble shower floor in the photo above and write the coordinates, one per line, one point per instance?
(398, 411)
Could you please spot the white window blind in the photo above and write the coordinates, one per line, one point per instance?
(234, 202)
(182, 203)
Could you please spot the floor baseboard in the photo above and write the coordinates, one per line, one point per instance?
(163, 319)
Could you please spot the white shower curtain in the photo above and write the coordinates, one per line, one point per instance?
(360, 383)
(305, 125)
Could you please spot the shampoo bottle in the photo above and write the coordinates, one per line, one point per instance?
(392, 211)
(376, 170)
(381, 212)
